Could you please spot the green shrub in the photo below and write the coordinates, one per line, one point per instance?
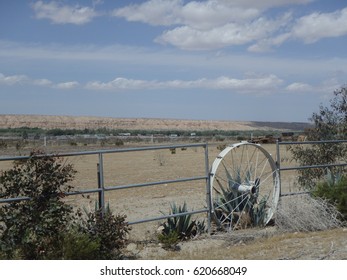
(169, 240)
(108, 230)
(3, 145)
(43, 226)
(334, 189)
(119, 142)
(79, 246)
(32, 229)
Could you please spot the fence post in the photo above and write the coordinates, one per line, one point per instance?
(278, 165)
(101, 193)
(208, 189)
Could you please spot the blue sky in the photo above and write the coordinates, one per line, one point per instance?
(248, 60)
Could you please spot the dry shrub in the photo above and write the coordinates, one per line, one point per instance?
(304, 213)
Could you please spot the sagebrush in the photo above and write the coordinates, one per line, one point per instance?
(43, 226)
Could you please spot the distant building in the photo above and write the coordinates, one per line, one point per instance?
(124, 134)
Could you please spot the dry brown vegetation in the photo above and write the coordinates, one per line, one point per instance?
(89, 122)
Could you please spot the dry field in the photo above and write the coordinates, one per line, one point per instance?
(152, 201)
(90, 122)
(68, 122)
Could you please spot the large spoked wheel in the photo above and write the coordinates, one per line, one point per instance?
(244, 187)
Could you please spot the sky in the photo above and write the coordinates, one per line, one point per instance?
(241, 60)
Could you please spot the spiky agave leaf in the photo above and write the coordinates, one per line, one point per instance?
(182, 225)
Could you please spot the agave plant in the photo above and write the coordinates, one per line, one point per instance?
(183, 226)
(231, 204)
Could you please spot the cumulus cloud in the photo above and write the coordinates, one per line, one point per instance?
(66, 85)
(62, 14)
(256, 84)
(186, 37)
(42, 82)
(198, 14)
(316, 26)
(154, 12)
(213, 24)
(299, 87)
(12, 80)
(250, 84)
(25, 80)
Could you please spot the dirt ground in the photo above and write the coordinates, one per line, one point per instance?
(252, 244)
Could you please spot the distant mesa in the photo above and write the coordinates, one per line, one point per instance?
(86, 122)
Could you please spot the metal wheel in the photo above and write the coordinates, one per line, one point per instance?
(244, 186)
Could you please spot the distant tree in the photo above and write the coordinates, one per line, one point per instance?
(330, 123)
(25, 135)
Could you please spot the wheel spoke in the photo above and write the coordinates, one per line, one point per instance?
(237, 172)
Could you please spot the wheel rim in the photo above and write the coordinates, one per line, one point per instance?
(244, 186)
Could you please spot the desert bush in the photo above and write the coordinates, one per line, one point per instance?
(304, 213)
(330, 123)
(3, 145)
(32, 229)
(315, 154)
(73, 143)
(77, 245)
(119, 142)
(179, 228)
(108, 231)
(43, 226)
(334, 190)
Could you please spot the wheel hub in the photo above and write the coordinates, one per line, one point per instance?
(247, 188)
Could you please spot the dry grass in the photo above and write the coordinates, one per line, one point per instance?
(82, 122)
(303, 213)
(266, 244)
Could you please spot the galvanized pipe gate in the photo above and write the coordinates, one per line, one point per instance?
(101, 189)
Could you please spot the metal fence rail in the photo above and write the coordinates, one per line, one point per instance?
(102, 188)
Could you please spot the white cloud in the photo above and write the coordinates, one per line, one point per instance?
(249, 85)
(12, 80)
(310, 29)
(266, 45)
(186, 37)
(213, 24)
(42, 82)
(25, 80)
(198, 14)
(66, 85)
(316, 26)
(121, 83)
(62, 14)
(299, 87)
(154, 12)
